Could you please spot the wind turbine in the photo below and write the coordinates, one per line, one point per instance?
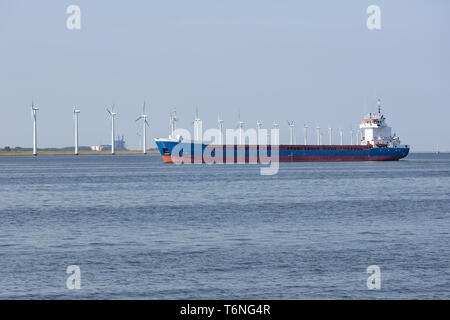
(33, 111)
(305, 133)
(330, 135)
(276, 126)
(173, 120)
(240, 124)
(144, 132)
(341, 136)
(318, 135)
(351, 136)
(258, 128)
(220, 125)
(291, 132)
(112, 114)
(197, 127)
(75, 118)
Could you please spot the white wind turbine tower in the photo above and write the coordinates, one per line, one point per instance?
(291, 132)
(197, 127)
(220, 126)
(173, 120)
(275, 138)
(341, 137)
(351, 136)
(240, 124)
(318, 134)
(330, 135)
(305, 134)
(33, 111)
(112, 114)
(258, 131)
(144, 117)
(75, 118)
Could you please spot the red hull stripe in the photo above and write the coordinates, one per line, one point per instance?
(302, 158)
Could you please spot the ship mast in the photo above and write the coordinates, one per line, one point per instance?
(173, 120)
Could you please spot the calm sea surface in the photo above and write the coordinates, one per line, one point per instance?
(141, 229)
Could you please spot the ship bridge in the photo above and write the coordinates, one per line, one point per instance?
(376, 131)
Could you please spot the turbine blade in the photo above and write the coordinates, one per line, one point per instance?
(140, 117)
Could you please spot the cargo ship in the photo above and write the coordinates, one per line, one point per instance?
(375, 143)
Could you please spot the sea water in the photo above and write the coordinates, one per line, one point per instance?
(140, 229)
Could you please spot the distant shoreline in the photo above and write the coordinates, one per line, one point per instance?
(29, 153)
(13, 153)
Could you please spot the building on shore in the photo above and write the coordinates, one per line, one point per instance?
(119, 145)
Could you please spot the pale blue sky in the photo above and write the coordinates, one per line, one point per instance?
(309, 61)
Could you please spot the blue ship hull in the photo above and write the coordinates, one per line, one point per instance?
(188, 152)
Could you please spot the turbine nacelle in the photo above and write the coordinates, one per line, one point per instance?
(111, 113)
(240, 123)
(218, 119)
(259, 124)
(143, 115)
(33, 107)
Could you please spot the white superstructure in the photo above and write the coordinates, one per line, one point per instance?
(376, 132)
